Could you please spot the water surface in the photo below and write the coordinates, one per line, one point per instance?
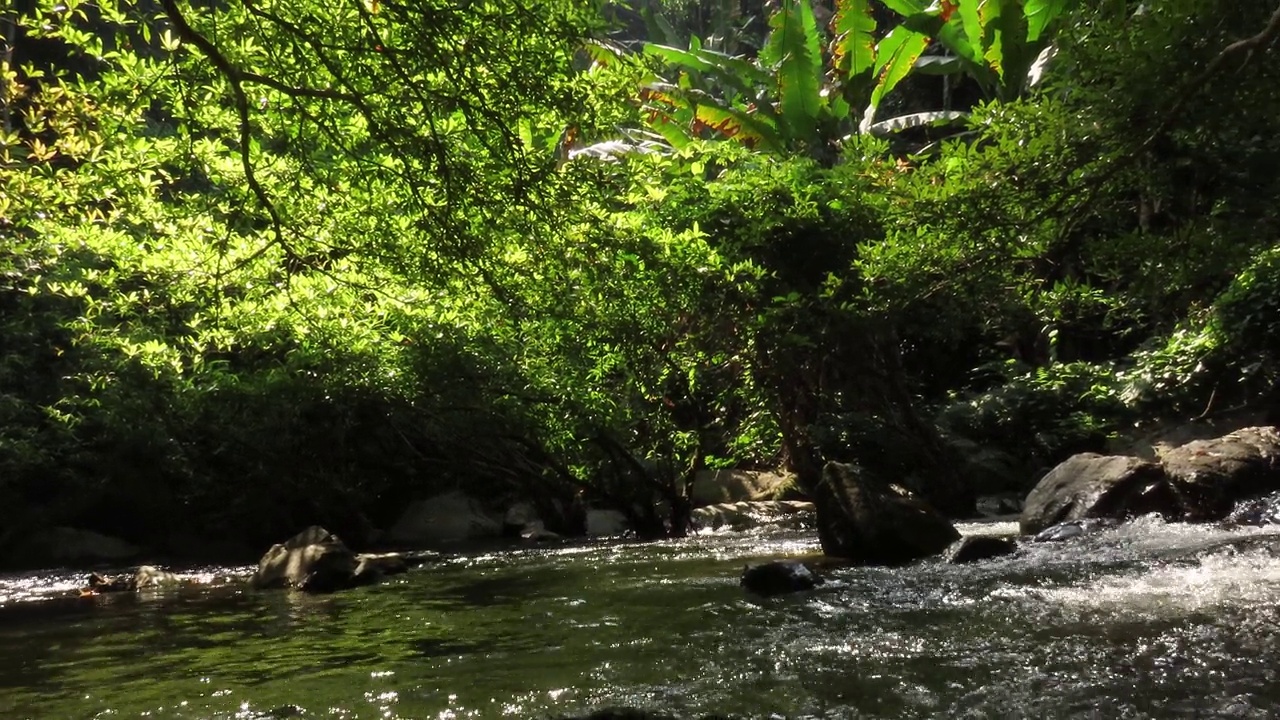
(1148, 620)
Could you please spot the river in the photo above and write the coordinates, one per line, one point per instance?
(1146, 620)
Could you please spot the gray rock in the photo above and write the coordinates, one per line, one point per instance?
(314, 560)
(1098, 486)
(606, 523)
(747, 515)
(876, 523)
(443, 519)
(713, 487)
(978, 547)
(149, 576)
(1212, 476)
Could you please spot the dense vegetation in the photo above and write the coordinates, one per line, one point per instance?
(263, 265)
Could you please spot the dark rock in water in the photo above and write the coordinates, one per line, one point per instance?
(314, 560)
(110, 583)
(876, 523)
(1257, 511)
(1211, 476)
(1075, 528)
(1098, 486)
(979, 547)
(779, 577)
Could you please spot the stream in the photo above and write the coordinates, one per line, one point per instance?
(1144, 620)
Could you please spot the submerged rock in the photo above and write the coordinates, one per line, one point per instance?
(1089, 485)
(1257, 511)
(779, 577)
(979, 547)
(1074, 528)
(109, 583)
(149, 576)
(868, 522)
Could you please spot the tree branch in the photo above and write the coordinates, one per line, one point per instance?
(235, 77)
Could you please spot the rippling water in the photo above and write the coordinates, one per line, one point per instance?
(1147, 620)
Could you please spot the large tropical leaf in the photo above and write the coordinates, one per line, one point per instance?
(895, 57)
(854, 49)
(940, 118)
(794, 50)
(1040, 13)
(737, 124)
(990, 14)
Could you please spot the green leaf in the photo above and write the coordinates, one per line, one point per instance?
(854, 49)
(939, 65)
(895, 57)
(1040, 13)
(795, 51)
(993, 33)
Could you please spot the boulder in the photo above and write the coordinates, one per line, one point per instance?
(602, 522)
(447, 518)
(1089, 485)
(149, 576)
(711, 487)
(314, 560)
(1000, 505)
(779, 577)
(744, 515)
(1212, 476)
(875, 523)
(978, 547)
(520, 518)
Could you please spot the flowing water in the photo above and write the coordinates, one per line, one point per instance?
(1146, 620)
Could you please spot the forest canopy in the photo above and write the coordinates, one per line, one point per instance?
(269, 264)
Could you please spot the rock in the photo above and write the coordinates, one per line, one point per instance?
(998, 505)
(978, 547)
(537, 532)
(519, 519)
(868, 522)
(314, 560)
(110, 583)
(371, 567)
(794, 514)
(149, 576)
(606, 522)
(1089, 485)
(712, 487)
(446, 518)
(1212, 476)
(1257, 511)
(1073, 528)
(779, 577)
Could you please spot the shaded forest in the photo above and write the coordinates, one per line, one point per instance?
(267, 265)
